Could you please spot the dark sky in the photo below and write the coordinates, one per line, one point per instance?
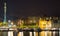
(19, 8)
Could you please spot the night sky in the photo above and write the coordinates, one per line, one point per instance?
(19, 8)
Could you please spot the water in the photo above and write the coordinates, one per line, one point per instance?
(49, 33)
(42, 33)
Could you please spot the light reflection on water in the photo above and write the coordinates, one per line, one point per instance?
(42, 33)
(49, 33)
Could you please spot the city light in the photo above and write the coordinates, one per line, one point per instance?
(29, 18)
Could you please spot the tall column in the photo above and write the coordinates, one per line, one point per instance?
(4, 22)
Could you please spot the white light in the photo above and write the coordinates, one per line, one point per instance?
(9, 25)
(21, 33)
(30, 33)
(10, 33)
(53, 28)
(9, 21)
(12, 23)
(30, 21)
(54, 33)
(34, 33)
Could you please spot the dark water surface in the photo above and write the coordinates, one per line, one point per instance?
(42, 33)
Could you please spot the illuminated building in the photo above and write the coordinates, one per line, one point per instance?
(31, 22)
(45, 24)
(20, 23)
(55, 22)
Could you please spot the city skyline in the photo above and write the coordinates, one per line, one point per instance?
(24, 8)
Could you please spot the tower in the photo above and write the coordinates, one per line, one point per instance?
(4, 21)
